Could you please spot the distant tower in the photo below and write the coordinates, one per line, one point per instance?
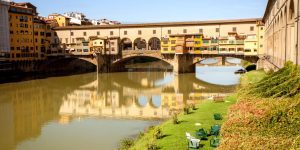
(4, 26)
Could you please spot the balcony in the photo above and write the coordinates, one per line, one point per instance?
(190, 44)
(180, 50)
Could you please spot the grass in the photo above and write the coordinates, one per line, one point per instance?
(259, 121)
(252, 77)
(174, 134)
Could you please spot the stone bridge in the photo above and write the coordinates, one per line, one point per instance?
(181, 63)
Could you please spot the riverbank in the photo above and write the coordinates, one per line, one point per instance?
(173, 135)
(264, 114)
(267, 115)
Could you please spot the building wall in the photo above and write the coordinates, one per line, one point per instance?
(21, 35)
(160, 30)
(4, 27)
(282, 31)
(42, 39)
(62, 21)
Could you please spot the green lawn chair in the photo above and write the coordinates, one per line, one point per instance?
(218, 116)
(215, 130)
(202, 134)
(215, 142)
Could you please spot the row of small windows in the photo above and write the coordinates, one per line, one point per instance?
(22, 40)
(21, 25)
(21, 18)
(25, 55)
(234, 29)
(21, 32)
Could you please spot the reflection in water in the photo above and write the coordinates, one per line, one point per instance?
(219, 75)
(83, 110)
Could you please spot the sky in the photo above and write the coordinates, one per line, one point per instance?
(143, 11)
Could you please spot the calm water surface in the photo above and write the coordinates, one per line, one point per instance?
(94, 112)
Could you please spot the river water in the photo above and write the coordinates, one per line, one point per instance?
(95, 112)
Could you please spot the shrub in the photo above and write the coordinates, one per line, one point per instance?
(175, 119)
(193, 106)
(186, 110)
(141, 134)
(153, 146)
(283, 83)
(126, 143)
(158, 133)
(267, 115)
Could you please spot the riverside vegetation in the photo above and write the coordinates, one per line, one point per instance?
(264, 114)
(267, 115)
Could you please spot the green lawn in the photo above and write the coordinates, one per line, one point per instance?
(252, 77)
(175, 138)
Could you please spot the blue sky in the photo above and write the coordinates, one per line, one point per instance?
(138, 11)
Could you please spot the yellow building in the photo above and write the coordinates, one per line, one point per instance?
(97, 44)
(232, 44)
(181, 44)
(61, 20)
(42, 37)
(251, 44)
(21, 31)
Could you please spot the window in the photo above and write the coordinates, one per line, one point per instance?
(169, 32)
(261, 46)
(234, 29)
(261, 37)
(72, 33)
(200, 30)
(173, 42)
(261, 28)
(11, 32)
(111, 32)
(165, 49)
(67, 40)
(125, 32)
(98, 33)
(251, 28)
(84, 33)
(154, 31)
(173, 48)
(139, 32)
(184, 30)
(217, 29)
(205, 41)
(12, 48)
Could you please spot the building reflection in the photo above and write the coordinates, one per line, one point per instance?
(136, 96)
(28, 106)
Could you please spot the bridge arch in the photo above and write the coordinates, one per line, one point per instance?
(126, 44)
(140, 44)
(154, 43)
(252, 59)
(124, 59)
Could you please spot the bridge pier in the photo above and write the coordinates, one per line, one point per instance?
(183, 64)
